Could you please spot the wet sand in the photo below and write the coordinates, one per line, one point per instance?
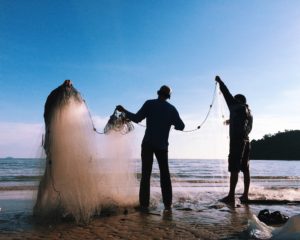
(180, 224)
(213, 220)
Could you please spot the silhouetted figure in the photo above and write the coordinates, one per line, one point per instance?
(160, 116)
(240, 125)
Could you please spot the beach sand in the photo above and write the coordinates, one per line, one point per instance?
(213, 220)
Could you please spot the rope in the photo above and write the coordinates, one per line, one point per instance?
(52, 182)
(49, 161)
(90, 116)
(206, 117)
(191, 130)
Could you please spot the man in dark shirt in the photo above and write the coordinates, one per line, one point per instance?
(160, 116)
(240, 125)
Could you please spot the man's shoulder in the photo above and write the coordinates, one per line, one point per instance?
(170, 108)
(155, 102)
(151, 100)
(169, 104)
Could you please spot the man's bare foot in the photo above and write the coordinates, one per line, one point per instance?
(228, 199)
(244, 199)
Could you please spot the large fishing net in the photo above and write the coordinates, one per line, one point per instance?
(119, 123)
(85, 172)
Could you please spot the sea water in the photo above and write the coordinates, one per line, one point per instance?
(196, 174)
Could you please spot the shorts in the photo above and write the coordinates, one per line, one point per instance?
(239, 152)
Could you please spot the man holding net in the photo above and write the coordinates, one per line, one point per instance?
(160, 116)
(240, 125)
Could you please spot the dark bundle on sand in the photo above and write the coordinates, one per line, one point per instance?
(272, 218)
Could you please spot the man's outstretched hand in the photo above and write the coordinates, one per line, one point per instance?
(218, 79)
(120, 108)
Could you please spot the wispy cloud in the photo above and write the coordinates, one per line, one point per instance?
(279, 115)
(20, 139)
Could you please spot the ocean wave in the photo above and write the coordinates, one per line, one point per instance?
(20, 178)
(203, 177)
(199, 181)
(175, 177)
(18, 188)
(277, 177)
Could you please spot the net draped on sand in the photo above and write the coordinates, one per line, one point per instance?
(85, 172)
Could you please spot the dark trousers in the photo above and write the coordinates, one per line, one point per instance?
(165, 180)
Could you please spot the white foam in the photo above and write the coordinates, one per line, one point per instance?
(259, 192)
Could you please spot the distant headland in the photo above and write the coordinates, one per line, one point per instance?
(279, 146)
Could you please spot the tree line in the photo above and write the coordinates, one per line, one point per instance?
(279, 146)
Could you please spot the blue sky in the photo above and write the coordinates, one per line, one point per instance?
(123, 51)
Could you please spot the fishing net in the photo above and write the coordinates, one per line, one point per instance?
(118, 123)
(85, 173)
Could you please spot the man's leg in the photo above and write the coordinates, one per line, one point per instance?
(234, 165)
(244, 197)
(165, 179)
(233, 182)
(234, 176)
(246, 171)
(147, 161)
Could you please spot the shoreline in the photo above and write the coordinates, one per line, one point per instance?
(202, 220)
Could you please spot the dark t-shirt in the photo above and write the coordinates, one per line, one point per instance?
(240, 116)
(160, 116)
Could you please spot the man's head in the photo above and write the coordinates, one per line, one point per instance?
(164, 92)
(240, 98)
